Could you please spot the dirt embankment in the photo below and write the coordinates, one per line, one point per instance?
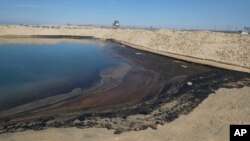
(209, 121)
(230, 51)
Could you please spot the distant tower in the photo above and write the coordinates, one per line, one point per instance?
(116, 24)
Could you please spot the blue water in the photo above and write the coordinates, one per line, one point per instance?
(34, 71)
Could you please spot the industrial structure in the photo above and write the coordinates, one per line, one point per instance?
(246, 31)
(116, 24)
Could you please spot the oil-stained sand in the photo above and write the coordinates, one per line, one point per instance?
(209, 121)
(143, 91)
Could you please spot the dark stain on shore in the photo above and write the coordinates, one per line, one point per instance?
(205, 80)
(187, 83)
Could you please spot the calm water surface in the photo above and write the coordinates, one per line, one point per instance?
(34, 71)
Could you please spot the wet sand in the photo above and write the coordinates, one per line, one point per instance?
(209, 121)
(147, 91)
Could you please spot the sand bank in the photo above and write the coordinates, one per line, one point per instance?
(225, 50)
(209, 121)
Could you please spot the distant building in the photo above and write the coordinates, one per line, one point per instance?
(246, 31)
(116, 24)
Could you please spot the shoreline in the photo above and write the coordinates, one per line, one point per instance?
(210, 117)
(209, 121)
(208, 62)
(159, 102)
(213, 52)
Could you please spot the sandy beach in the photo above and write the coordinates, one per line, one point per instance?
(209, 121)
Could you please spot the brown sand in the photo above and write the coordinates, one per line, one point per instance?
(205, 47)
(209, 122)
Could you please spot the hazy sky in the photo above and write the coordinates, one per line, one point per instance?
(163, 13)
